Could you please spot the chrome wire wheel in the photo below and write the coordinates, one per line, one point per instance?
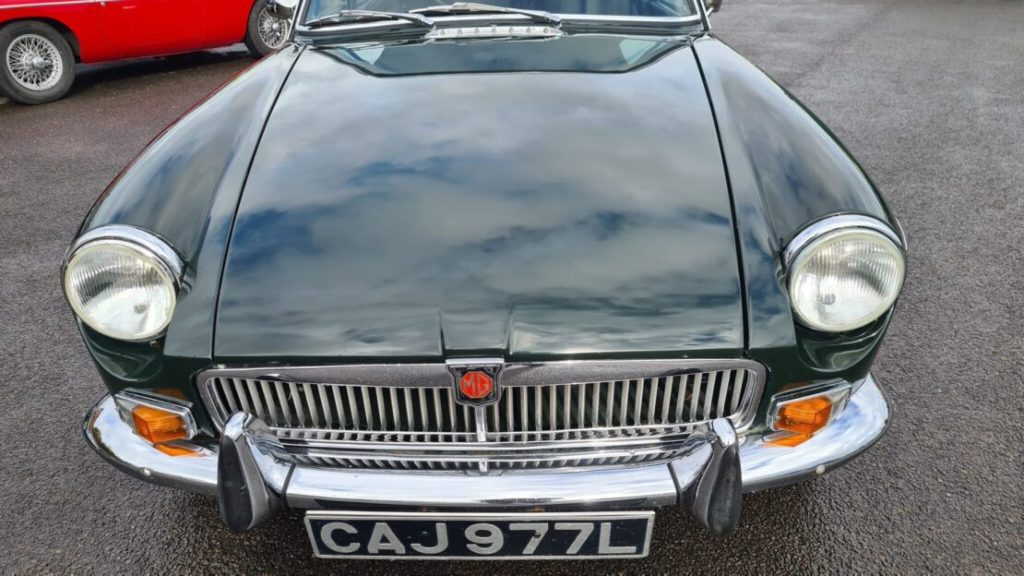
(34, 62)
(273, 31)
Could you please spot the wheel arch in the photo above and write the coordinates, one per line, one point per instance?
(69, 35)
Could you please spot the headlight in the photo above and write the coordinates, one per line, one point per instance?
(844, 272)
(123, 282)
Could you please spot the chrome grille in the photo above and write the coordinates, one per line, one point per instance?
(548, 415)
(596, 409)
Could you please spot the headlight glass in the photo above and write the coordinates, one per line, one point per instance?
(120, 289)
(845, 279)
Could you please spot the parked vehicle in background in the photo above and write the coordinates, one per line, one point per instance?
(41, 41)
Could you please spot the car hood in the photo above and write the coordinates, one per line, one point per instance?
(572, 201)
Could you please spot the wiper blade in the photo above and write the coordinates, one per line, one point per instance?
(357, 16)
(476, 8)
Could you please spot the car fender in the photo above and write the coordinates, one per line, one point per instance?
(77, 21)
(786, 170)
(184, 187)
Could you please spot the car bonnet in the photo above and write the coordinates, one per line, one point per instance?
(495, 198)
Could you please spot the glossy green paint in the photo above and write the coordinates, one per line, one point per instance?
(786, 171)
(772, 169)
(185, 188)
(485, 209)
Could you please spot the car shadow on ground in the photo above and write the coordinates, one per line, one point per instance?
(90, 75)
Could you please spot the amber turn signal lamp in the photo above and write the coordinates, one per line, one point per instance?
(158, 425)
(176, 450)
(805, 416)
(787, 439)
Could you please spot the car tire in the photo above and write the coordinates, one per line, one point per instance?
(265, 32)
(36, 63)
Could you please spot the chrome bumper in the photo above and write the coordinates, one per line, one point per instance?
(252, 479)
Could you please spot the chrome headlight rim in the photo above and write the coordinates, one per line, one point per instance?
(824, 229)
(146, 243)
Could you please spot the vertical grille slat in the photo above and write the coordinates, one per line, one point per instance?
(510, 403)
(709, 394)
(243, 401)
(253, 390)
(581, 405)
(723, 393)
(339, 407)
(295, 401)
(666, 398)
(737, 390)
(656, 385)
(382, 414)
(424, 413)
(353, 408)
(623, 404)
(365, 407)
(438, 418)
(310, 396)
(524, 424)
(282, 402)
(224, 392)
(696, 387)
(638, 402)
(547, 412)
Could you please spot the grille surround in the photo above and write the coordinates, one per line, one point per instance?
(554, 414)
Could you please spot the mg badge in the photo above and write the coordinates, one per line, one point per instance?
(476, 382)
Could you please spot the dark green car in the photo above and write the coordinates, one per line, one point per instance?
(488, 281)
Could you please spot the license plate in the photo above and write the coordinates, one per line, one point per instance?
(539, 536)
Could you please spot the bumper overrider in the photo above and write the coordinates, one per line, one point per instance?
(253, 478)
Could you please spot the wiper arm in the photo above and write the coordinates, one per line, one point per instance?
(355, 16)
(537, 16)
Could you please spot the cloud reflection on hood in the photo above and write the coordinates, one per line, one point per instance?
(538, 213)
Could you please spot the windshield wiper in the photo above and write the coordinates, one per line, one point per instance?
(458, 8)
(358, 16)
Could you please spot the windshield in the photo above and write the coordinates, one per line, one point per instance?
(650, 8)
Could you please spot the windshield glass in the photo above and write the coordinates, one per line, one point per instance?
(650, 8)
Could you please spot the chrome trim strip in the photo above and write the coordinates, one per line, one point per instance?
(832, 223)
(494, 31)
(52, 4)
(498, 448)
(639, 487)
(597, 453)
(436, 374)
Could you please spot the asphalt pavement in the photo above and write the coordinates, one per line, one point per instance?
(928, 95)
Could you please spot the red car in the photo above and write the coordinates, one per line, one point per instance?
(41, 40)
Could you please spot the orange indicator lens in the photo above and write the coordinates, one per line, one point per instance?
(787, 439)
(805, 416)
(158, 425)
(175, 450)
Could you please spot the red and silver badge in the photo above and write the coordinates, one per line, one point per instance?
(476, 381)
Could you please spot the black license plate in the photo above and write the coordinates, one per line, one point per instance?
(526, 536)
